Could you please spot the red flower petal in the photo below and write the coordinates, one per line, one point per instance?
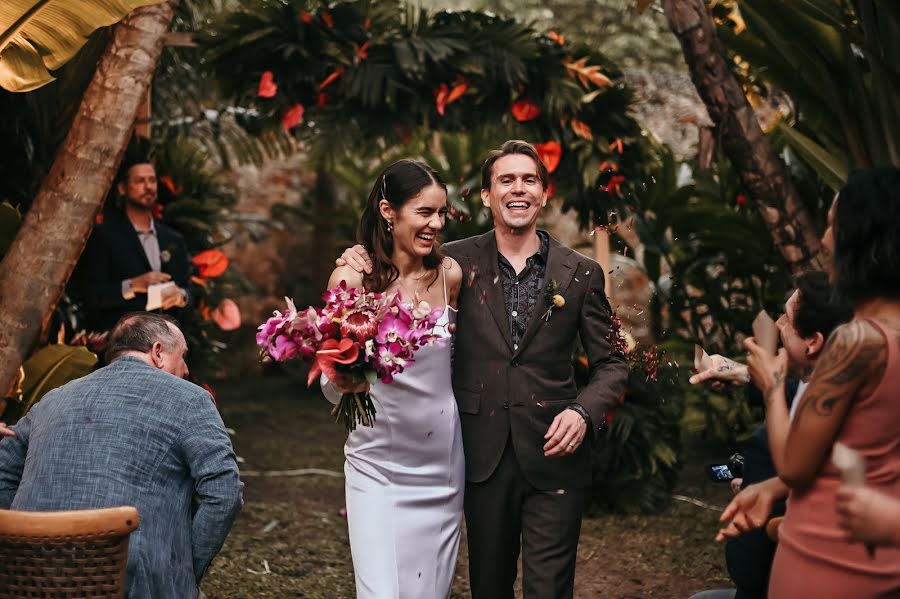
(581, 129)
(267, 85)
(440, 98)
(157, 211)
(458, 90)
(550, 153)
(332, 352)
(210, 263)
(292, 117)
(331, 78)
(525, 110)
(227, 315)
(99, 219)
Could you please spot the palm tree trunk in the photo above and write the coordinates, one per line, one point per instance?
(40, 261)
(741, 137)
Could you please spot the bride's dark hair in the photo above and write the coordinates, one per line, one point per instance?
(398, 183)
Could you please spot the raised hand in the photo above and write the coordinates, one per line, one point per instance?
(766, 370)
(751, 508)
(356, 258)
(722, 370)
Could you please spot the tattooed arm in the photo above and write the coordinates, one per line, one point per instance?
(850, 367)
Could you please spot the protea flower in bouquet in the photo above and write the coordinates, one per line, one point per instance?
(358, 336)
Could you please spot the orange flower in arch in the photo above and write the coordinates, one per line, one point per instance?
(227, 315)
(525, 110)
(445, 94)
(331, 78)
(210, 263)
(267, 86)
(550, 153)
(559, 39)
(581, 129)
(175, 190)
(292, 117)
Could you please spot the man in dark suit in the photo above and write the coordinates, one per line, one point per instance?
(128, 252)
(525, 426)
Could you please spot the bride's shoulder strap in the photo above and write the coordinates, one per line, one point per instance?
(444, 266)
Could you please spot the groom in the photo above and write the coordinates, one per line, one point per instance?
(525, 427)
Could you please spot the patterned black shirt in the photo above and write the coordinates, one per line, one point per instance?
(521, 292)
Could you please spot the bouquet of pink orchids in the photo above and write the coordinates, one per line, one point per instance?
(358, 336)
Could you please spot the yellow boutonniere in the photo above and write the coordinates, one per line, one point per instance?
(554, 298)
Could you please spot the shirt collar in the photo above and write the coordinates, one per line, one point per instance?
(150, 231)
(541, 253)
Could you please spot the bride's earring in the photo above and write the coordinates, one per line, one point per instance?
(389, 225)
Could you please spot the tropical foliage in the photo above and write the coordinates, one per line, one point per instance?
(357, 77)
(39, 37)
(839, 62)
(636, 452)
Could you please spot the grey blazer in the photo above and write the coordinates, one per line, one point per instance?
(130, 434)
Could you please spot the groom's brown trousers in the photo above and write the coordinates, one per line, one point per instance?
(506, 512)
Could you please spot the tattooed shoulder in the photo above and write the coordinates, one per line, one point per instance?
(854, 359)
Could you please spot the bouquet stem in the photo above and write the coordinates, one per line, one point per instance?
(354, 408)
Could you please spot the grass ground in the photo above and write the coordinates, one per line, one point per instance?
(291, 539)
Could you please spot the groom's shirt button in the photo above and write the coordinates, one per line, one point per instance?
(514, 363)
(505, 405)
(515, 312)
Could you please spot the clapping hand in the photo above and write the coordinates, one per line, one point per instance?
(5, 431)
(722, 370)
(766, 370)
(749, 510)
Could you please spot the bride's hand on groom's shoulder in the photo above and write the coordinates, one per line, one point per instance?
(357, 258)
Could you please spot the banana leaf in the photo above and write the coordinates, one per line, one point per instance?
(53, 366)
(39, 37)
(829, 167)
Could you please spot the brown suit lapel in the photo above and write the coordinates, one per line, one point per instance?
(561, 262)
(490, 288)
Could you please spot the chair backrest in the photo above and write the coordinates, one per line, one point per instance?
(79, 553)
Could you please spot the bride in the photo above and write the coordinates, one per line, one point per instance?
(405, 475)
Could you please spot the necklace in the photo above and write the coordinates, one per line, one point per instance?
(403, 288)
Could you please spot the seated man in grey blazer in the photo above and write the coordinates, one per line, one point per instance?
(133, 433)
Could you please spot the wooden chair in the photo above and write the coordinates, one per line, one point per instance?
(79, 553)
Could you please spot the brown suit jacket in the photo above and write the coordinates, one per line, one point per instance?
(502, 392)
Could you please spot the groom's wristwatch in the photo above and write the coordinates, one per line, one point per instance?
(584, 413)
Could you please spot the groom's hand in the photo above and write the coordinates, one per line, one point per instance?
(356, 258)
(565, 434)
